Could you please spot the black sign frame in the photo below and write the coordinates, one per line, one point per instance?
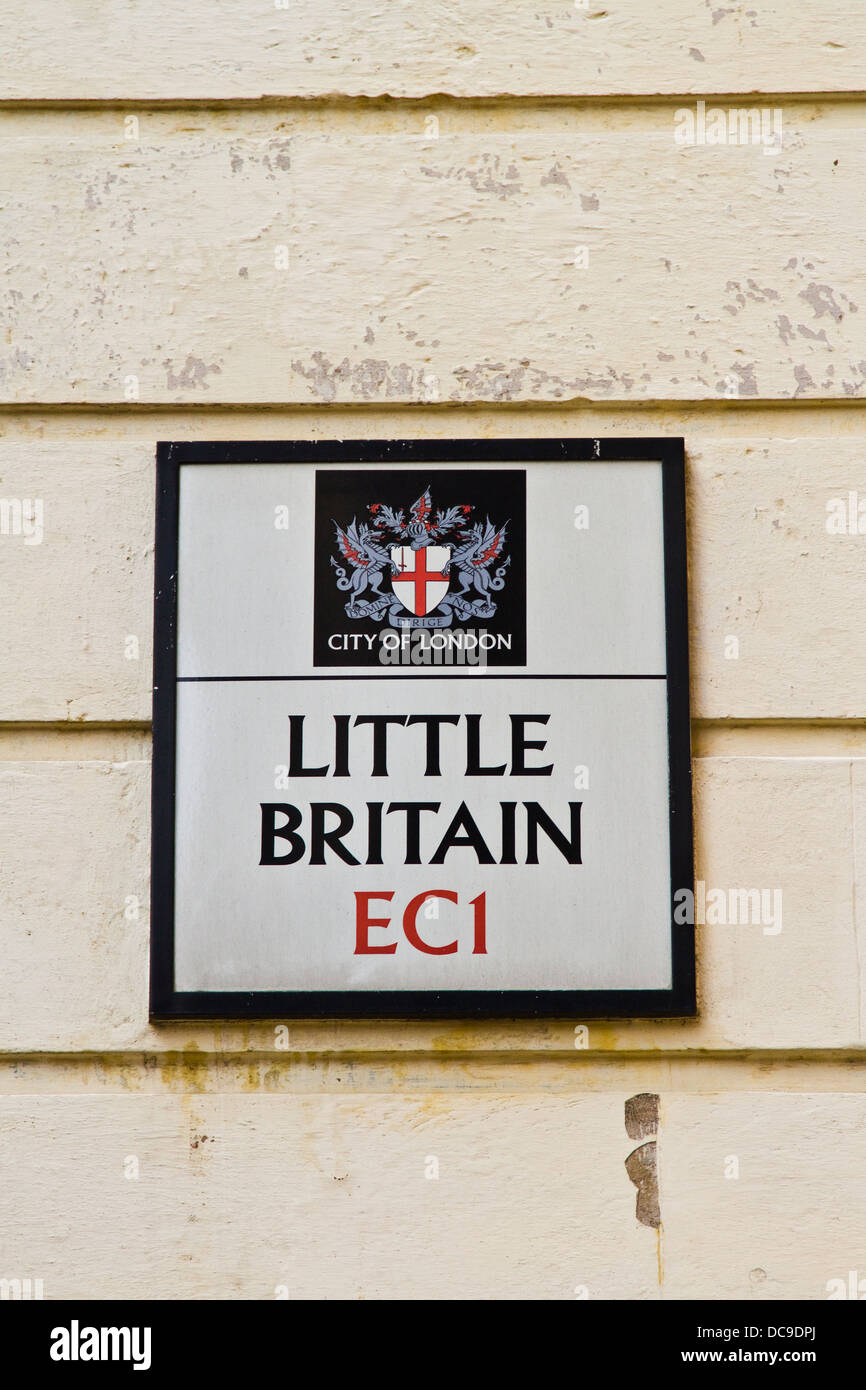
(168, 1004)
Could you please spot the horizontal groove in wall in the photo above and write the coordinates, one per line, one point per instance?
(117, 743)
(695, 420)
(397, 118)
(346, 1073)
(672, 405)
(385, 101)
(123, 742)
(791, 738)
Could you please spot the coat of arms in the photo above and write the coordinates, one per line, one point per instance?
(423, 570)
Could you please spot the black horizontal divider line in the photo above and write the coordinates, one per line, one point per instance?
(424, 675)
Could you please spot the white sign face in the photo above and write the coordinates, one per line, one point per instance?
(421, 731)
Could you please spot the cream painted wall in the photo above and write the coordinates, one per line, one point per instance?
(431, 171)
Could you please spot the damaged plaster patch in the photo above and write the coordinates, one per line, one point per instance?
(803, 379)
(641, 1122)
(369, 379)
(748, 385)
(496, 381)
(821, 337)
(491, 380)
(642, 1116)
(556, 175)
(282, 158)
(274, 155)
(642, 1168)
(821, 299)
(490, 178)
(760, 293)
(191, 375)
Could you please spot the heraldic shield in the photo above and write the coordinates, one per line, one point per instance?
(420, 581)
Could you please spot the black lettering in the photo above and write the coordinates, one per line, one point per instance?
(413, 811)
(519, 745)
(296, 751)
(472, 838)
(270, 833)
(433, 722)
(380, 724)
(508, 809)
(374, 832)
(341, 745)
(320, 837)
(538, 818)
(473, 751)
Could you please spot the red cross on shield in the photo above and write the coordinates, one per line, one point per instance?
(420, 582)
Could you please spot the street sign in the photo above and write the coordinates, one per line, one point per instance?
(421, 730)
